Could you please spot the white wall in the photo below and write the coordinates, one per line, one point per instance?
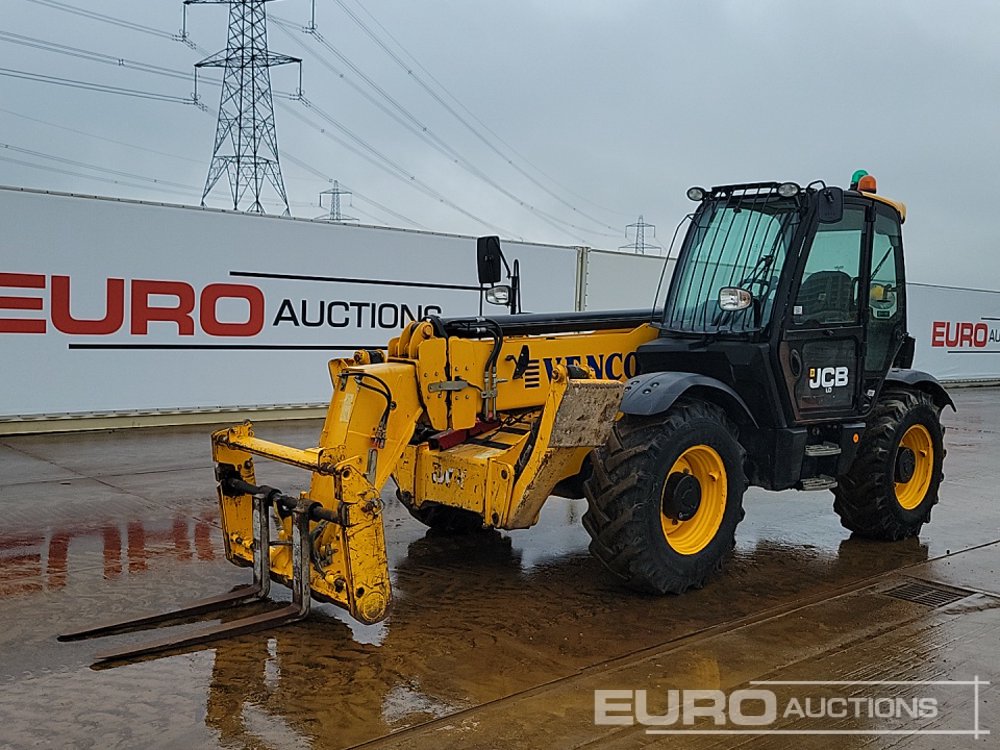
(614, 281)
(361, 277)
(957, 331)
(89, 241)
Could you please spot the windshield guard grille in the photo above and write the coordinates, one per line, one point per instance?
(740, 237)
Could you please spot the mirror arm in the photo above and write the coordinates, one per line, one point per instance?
(515, 287)
(505, 264)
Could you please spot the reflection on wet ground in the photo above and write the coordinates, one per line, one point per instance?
(105, 524)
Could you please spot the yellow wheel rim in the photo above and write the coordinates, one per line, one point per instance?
(911, 494)
(692, 536)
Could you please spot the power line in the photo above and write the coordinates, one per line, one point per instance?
(66, 7)
(425, 133)
(117, 61)
(473, 115)
(451, 110)
(418, 128)
(183, 37)
(312, 170)
(160, 70)
(382, 161)
(372, 217)
(96, 168)
(161, 185)
(410, 122)
(49, 168)
(386, 209)
(64, 49)
(90, 86)
(125, 144)
(99, 137)
(397, 170)
(84, 54)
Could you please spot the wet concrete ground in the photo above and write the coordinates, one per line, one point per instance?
(494, 641)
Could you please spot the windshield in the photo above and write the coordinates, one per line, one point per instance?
(740, 240)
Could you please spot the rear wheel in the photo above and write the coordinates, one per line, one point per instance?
(666, 496)
(889, 490)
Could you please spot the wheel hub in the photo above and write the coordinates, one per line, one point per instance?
(681, 497)
(906, 464)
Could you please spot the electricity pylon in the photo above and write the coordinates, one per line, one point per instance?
(246, 144)
(639, 246)
(335, 215)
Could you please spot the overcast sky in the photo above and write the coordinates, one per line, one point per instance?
(616, 107)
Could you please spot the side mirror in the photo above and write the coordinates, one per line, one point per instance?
(499, 294)
(733, 299)
(489, 257)
(830, 205)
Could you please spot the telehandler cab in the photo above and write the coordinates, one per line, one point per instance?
(779, 358)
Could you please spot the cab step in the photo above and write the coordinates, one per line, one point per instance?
(823, 449)
(822, 482)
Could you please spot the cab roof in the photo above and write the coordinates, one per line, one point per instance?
(898, 205)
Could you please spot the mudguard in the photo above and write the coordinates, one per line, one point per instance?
(921, 381)
(655, 392)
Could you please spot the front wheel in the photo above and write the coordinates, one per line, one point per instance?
(666, 496)
(889, 490)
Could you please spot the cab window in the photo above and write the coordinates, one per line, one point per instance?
(828, 293)
(885, 291)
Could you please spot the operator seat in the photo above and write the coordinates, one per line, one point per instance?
(827, 297)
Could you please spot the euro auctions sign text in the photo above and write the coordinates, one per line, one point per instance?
(149, 301)
(961, 335)
(802, 707)
(216, 310)
(84, 342)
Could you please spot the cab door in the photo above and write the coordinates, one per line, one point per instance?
(885, 308)
(822, 346)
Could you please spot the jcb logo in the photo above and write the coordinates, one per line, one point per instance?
(827, 378)
(441, 475)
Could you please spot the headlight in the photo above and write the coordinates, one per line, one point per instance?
(696, 193)
(498, 295)
(733, 298)
(788, 189)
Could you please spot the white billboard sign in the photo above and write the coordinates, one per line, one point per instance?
(621, 281)
(957, 331)
(110, 306)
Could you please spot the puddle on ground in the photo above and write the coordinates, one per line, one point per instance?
(474, 619)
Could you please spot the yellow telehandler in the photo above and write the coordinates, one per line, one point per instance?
(780, 359)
